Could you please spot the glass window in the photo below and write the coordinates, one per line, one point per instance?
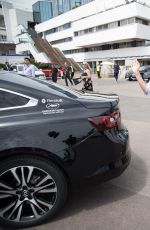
(124, 22)
(75, 34)
(86, 31)
(99, 28)
(138, 20)
(75, 3)
(131, 20)
(113, 25)
(8, 100)
(60, 7)
(67, 25)
(105, 26)
(66, 5)
(91, 30)
(145, 22)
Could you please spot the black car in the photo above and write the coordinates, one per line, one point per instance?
(144, 71)
(50, 138)
(146, 76)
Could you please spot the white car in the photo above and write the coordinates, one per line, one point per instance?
(38, 73)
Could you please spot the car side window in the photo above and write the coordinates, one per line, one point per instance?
(8, 100)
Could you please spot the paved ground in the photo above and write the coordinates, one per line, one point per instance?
(123, 203)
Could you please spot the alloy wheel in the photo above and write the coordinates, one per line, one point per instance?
(26, 193)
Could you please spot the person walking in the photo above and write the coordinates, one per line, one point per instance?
(86, 76)
(98, 70)
(67, 74)
(144, 86)
(116, 71)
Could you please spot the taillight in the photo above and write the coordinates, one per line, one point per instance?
(106, 122)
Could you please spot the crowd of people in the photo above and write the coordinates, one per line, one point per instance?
(67, 73)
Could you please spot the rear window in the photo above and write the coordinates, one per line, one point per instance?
(142, 68)
(8, 100)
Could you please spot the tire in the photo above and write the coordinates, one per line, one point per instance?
(32, 189)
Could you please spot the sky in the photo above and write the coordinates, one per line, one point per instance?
(22, 4)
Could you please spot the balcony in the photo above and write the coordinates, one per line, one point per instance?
(123, 33)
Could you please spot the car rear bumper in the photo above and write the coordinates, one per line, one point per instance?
(113, 169)
(105, 155)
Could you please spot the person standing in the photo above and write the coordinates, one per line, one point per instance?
(54, 74)
(67, 74)
(144, 86)
(72, 71)
(98, 70)
(86, 76)
(29, 69)
(7, 67)
(116, 71)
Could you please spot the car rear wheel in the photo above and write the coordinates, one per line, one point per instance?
(32, 190)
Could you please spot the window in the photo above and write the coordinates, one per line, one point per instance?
(91, 30)
(86, 31)
(75, 34)
(138, 20)
(61, 40)
(113, 25)
(124, 22)
(67, 26)
(131, 20)
(99, 28)
(105, 26)
(12, 100)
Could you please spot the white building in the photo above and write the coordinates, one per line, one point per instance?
(101, 30)
(10, 18)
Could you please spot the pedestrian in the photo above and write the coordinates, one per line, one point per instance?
(98, 70)
(7, 67)
(144, 86)
(54, 74)
(72, 71)
(86, 76)
(116, 71)
(29, 69)
(67, 74)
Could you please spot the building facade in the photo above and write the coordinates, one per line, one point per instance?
(42, 11)
(10, 18)
(101, 30)
(5, 33)
(62, 6)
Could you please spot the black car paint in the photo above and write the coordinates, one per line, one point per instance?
(66, 138)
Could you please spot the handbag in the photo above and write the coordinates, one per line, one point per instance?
(77, 80)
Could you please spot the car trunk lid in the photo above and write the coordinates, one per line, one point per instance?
(97, 101)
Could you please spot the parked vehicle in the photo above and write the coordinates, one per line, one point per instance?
(146, 76)
(51, 137)
(144, 71)
(48, 73)
(48, 70)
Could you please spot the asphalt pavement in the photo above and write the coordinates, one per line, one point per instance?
(122, 203)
